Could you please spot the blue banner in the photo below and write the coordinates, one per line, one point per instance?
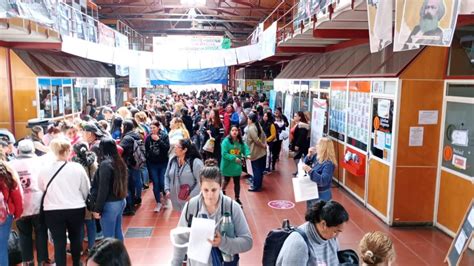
(216, 75)
(272, 101)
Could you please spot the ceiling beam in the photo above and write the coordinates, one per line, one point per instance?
(247, 21)
(124, 15)
(296, 49)
(340, 34)
(216, 29)
(187, 7)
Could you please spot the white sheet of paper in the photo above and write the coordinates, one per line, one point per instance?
(383, 108)
(380, 137)
(460, 242)
(304, 189)
(470, 217)
(460, 137)
(416, 137)
(199, 248)
(301, 171)
(248, 164)
(428, 117)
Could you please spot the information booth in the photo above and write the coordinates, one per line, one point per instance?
(374, 107)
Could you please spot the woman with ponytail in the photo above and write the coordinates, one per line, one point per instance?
(211, 203)
(256, 140)
(376, 248)
(324, 221)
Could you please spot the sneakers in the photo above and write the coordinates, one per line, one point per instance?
(158, 207)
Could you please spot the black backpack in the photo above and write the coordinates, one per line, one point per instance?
(275, 240)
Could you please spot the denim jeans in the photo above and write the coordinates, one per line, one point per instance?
(111, 219)
(4, 235)
(157, 175)
(258, 166)
(91, 232)
(135, 186)
(145, 175)
(26, 226)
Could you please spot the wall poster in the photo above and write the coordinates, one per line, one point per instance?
(458, 143)
(337, 109)
(382, 125)
(318, 120)
(358, 114)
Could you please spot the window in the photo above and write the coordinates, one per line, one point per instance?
(77, 103)
(57, 97)
(68, 97)
(44, 87)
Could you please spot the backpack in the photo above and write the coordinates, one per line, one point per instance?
(189, 218)
(275, 240)
(3, 208)
(138, 154)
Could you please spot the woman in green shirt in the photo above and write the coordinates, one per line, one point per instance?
(234, 152)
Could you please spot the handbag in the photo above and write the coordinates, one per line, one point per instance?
(184, 191)
(41, 212)
(209, 146)
(14, 249)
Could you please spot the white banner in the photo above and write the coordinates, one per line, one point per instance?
(379, 14)
(189, 43)
(318, 120)
(254, 52)
(430, 22)
(74, 46)
(268, 41)
(100, 53)
(401, 29)
(242, 54)
(137, 77)
(467, 7)
(230, 57)
(121, 41)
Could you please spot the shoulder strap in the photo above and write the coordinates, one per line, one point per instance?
(305, 237)
(49, 183)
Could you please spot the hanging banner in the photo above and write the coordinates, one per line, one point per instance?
(401, 29)
(380, 24)
(191, 43)
(8, 9)
(189, 77)
(318, 120)
(268, 41)
(79, 28)
(137, 77)
(106, 35)
(319, 7)
(300, 14)
(467, 7)
(36, 11)
(121, 41)
(272, 101)
(430, 22)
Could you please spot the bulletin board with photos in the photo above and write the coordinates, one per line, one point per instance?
(358, 114)
(382, 128)
(458, 138)
(337, 109)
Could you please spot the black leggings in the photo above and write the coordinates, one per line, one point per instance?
(236, 185)
(276, 149)
(60, 221)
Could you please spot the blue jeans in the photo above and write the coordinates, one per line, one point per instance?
(145, 175)
(111, 219)
(4, 235)
(157, 175)
(135, 186)
(258, 166)
(91, 232)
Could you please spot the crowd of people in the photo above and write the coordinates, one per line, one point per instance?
(82, 175)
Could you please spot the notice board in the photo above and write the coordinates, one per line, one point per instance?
(463, 237)
(458, 138)
(382, 127)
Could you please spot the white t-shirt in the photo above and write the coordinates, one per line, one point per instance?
(69, 188)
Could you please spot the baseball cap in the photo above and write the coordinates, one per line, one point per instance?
(26, 146)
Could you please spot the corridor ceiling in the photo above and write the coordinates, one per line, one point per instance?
(235, 19)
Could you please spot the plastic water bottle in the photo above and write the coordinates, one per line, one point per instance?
(227, 229)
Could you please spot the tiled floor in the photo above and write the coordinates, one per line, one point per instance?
(414, 246)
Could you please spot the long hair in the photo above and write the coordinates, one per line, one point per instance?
(254, 118)
(127, 126)
(239, 135)
(210, 172)
(180, 125)
(8, 176)
(108, 151)
(216, 121)
(302, 117)
(35, 133)
(116, 124)
(191, 150)
(327, 153)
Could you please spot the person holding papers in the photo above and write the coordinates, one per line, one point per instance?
(320, 164)
(211, 203)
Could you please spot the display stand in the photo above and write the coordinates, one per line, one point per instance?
(462, 239)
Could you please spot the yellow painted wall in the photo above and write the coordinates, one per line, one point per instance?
(415, 173)
(455, 195)
(378, 186)
(4, 87)
(24, 93)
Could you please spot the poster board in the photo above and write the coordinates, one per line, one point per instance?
(382, 128)
(463, 237)
(358, 115)
(337, 109)
(318, 120)
(458, 138)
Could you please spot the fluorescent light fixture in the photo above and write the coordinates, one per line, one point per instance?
(193, 2)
